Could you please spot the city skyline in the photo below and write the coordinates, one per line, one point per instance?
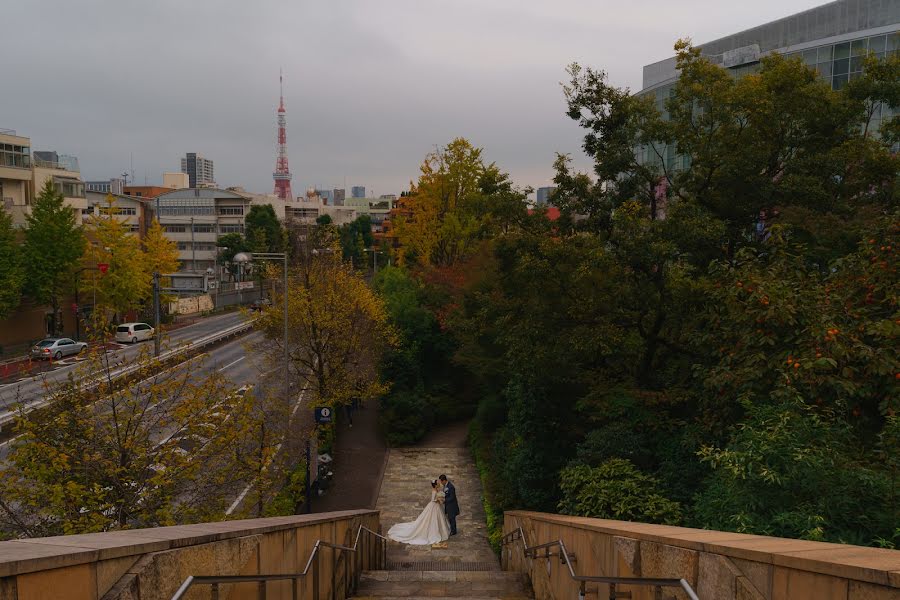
(371, 90)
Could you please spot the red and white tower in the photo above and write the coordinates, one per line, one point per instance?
(282, 172)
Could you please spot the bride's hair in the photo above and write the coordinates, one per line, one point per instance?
(434, 483)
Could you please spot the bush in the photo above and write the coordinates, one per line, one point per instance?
(406, 416)
(615, 490)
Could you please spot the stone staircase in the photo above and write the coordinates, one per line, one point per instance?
(464, 567)
(388, 585)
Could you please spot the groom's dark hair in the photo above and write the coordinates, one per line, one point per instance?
(443, 478)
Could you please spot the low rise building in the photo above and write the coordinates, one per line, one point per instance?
(132, 210)
(63, 170)
(195, 218)
(15, 174)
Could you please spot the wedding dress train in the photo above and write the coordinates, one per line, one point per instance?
(430, 527)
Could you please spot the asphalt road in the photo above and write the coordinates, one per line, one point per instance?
(32, 388)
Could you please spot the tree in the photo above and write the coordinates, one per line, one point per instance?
(615, 490)
(263, 230)
(233, 243)
(355, 237)
(128, 280)
(160, 452)
(337, 328)
(53, 246)
(160, 252)
(12, 274)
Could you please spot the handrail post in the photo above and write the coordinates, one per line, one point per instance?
(334, 557)
(214, 591)
(316, 577)
(295, 592)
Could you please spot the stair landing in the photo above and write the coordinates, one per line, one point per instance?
(406, 489)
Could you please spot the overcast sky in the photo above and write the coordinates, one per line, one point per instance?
(370, 86)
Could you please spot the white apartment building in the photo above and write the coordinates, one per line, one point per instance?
(195, 218)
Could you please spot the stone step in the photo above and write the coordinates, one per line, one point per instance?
(439, 597)
(448, 584)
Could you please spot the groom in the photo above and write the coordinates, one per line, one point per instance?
(451, 506)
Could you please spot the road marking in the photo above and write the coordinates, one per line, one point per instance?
(240, 498)
(232, 363)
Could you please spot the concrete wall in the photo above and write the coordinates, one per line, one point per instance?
(718, 565)
(191, 305)
(150, 564)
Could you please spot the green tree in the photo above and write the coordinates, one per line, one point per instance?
(355, 237)
(263, 230)
(53, 246)
(615, 489)
(12, 274)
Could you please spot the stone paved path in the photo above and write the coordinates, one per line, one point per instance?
(406, 489)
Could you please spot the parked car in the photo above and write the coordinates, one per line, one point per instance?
(56, 348)
(133, 332)
(258, 305)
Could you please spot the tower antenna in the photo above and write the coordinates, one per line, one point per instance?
(282, 174)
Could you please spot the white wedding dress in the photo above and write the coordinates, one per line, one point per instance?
(430, 527)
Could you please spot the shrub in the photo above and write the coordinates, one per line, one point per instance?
(615, 489)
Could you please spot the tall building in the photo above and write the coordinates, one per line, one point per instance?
(543, 194)
(282, 174)
(339, 196)
(832, 38)
(199, 170)
(358, 191)
(326, 195)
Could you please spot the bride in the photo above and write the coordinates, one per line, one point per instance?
(430, 527)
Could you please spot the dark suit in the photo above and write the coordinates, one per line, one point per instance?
(451, 505)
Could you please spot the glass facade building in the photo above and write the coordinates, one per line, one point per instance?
(833, 39)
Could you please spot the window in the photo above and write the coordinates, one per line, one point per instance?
(174, 228)
(825, 54)
(118, 210)
(184, 245)
(877, 43)
(69, 188)
(205, 228)
(231, 210)
(858, 48)
(842, 50)
(839, 81)
(841, 66)
(231, 228)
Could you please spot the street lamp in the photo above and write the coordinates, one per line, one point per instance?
(246, 257)
(375, 254)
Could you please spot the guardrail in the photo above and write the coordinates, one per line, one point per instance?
(183, 349)
(371, 555)
(567, 558)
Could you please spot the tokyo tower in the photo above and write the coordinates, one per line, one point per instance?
(282, 172)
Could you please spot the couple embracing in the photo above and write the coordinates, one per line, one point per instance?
(436, 522)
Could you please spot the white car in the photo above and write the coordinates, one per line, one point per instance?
(133, 333)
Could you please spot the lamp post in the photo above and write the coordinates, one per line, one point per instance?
(246, 257)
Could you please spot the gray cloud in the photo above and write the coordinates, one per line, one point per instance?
(370, 86)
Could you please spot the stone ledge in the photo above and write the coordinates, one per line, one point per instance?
(39, 554)
(872, 565)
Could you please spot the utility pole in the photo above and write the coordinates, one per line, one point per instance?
(156, 331)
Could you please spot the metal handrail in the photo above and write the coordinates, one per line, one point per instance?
(567, 558)
(376, 553)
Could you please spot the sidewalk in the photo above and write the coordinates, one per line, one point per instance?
(360, 455)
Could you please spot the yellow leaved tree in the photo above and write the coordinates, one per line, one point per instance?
(337, 329)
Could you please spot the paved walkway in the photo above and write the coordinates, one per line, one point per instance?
(359, 459)
(406, 489)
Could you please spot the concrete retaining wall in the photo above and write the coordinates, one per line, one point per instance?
(719, 565)
(150, 564)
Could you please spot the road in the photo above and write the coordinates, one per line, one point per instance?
(32, 388)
